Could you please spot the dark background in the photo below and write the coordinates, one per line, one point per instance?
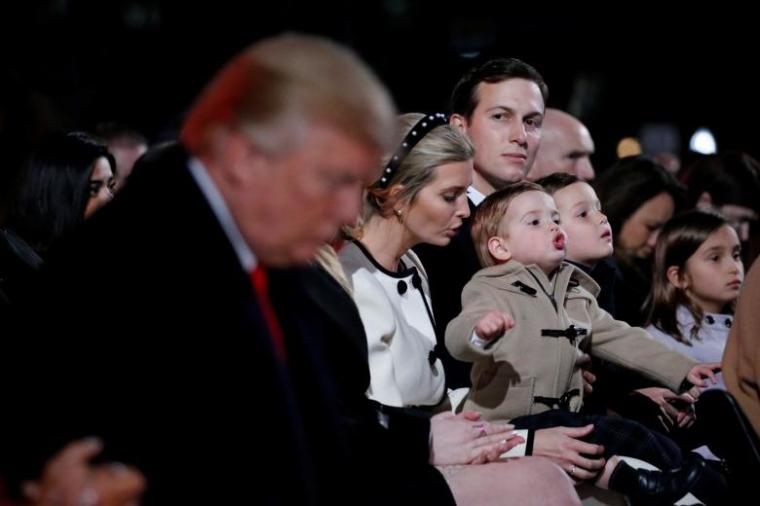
(69, 64)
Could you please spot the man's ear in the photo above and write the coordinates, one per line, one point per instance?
(459, 122)
(498, 249)
(673, 273)
(215, 139)
(246, 155)
(226, 142)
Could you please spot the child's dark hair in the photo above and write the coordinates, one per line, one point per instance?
(555, 182)
(678, 241)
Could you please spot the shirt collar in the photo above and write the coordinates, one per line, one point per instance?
(219, 207)
(475, 196)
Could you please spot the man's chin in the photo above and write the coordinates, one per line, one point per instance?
(507, 177)
(304, 256)
(290, 257)
(514, 173)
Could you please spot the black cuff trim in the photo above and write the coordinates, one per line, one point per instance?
(686, 385)
(529, 442)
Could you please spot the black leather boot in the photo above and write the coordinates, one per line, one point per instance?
(644, 487)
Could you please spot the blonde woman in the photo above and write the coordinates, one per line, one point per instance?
(420, 198)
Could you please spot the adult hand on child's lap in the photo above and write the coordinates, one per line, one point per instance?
(465, 439)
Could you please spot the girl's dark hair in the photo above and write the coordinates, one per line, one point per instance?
(679, 239)
(629, 183)
(53, 188)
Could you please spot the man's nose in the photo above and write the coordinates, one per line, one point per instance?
(517, 133)
(584, 169)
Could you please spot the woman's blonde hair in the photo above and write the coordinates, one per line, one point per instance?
(443, 144)
(327, 258)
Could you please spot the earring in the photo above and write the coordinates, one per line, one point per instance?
(399, 214)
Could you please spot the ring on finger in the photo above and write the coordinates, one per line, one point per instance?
(572, 470)
(481, 429)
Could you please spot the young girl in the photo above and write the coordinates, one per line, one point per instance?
(697, 278)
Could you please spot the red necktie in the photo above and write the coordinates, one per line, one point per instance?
(259, 280)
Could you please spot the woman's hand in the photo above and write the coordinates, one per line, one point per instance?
(465, 439)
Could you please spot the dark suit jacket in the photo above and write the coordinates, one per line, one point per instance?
(18, 264)
(449, 268)
(632, 286)
(145, 331)
(605, 273)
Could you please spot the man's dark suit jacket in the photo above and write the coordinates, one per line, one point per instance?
(449, 268)
(145, 331)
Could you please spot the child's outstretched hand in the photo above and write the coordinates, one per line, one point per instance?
(493, 324)
(707, 371)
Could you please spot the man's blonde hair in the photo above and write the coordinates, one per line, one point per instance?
(293, 80)
(490, 213)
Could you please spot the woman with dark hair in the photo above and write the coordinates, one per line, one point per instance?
(638, 197)
(64, 182)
